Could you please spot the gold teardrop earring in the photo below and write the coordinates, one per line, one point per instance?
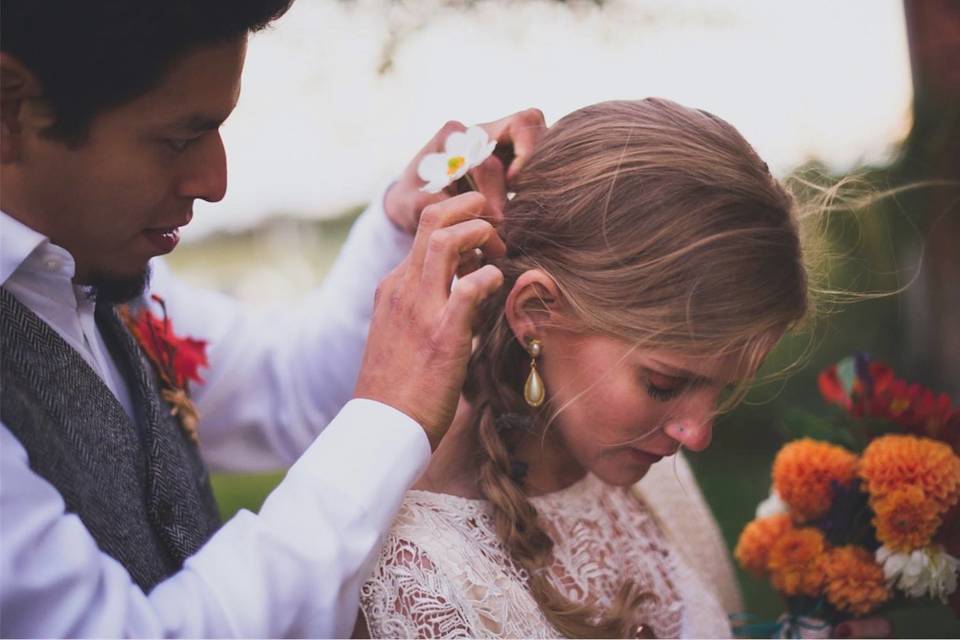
(533, 390)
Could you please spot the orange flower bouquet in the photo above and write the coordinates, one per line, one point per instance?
(863, 512)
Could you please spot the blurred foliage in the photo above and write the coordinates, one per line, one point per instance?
(235, 492)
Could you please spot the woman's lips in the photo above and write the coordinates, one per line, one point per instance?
(165, 240)
(645, 457)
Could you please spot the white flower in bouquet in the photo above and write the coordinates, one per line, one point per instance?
(463, 151)
(772, 506)
(930, 571)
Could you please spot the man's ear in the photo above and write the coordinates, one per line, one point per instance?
(533, 301)
(18, 86)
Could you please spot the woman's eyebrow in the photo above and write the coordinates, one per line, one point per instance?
(694, 378)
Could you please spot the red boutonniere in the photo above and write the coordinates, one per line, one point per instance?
(176, 359)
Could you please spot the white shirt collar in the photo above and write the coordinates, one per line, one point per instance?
(20, 247)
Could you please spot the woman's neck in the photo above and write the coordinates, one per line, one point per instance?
(455, 464)
(550, 467)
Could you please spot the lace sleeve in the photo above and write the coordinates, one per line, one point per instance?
(409, 597)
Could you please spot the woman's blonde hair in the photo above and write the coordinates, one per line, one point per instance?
(660, 225)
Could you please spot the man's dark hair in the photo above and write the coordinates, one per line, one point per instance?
(91, 55)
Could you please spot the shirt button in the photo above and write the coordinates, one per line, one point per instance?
(52, 264)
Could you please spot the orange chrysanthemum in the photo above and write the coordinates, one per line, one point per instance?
(896, 461)
(854, 581)
(756, 540)
(905, 518)
(805, 471)
(796, 562)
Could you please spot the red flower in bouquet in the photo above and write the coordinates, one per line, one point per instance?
(176, 359)
(852, 382)
(866, 388)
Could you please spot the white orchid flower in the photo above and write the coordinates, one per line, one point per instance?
(772, 506)
(930, 571)
(463, 151)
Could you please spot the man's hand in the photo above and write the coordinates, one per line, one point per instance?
(522, 130)
(404, 200)
(864, 628)
(420, 334)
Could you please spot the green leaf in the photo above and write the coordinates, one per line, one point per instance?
(800, 424)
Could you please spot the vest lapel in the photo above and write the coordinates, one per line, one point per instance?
(179, 499)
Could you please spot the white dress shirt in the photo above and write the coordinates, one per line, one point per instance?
(276, 379)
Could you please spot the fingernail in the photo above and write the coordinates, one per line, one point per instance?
(842, 630)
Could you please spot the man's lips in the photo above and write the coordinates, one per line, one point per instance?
(166, 237)
(163, 239)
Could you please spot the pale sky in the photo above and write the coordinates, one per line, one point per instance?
(318, 129)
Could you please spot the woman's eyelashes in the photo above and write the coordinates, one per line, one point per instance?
(665, 388)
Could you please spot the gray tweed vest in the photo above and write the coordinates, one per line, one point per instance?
(140, 488)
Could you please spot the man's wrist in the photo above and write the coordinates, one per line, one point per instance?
(391, 208)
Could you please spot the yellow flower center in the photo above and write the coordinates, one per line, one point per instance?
(454, 164)
(899, 405)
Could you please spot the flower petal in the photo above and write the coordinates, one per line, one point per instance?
(432, 166)
(771, 506)
(479, 154)
(480, 146)
(458, 144)
(435, 186)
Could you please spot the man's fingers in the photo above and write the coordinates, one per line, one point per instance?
(469, 262)
(522, 129)
(490, 180)
(448, 244)
(465, 297)
(524, 135)
(448, 212)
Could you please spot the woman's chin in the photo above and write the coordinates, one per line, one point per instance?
(622, 476)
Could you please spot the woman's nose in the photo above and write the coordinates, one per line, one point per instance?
(692, 434)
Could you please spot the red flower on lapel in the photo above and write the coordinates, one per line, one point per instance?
(177, 360)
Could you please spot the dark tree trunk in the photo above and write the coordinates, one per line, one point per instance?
(933, 152)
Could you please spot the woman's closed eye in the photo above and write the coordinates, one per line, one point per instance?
(663, 387)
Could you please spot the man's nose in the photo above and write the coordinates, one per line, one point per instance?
(206, 177)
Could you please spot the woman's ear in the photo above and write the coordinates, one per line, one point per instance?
(534, 298)
(18, 86)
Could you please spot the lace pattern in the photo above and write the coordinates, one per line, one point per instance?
(443, 572)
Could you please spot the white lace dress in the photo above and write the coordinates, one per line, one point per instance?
(443, 572)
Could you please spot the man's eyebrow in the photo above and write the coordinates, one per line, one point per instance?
(198, 123)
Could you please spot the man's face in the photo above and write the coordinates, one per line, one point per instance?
(120, 198)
